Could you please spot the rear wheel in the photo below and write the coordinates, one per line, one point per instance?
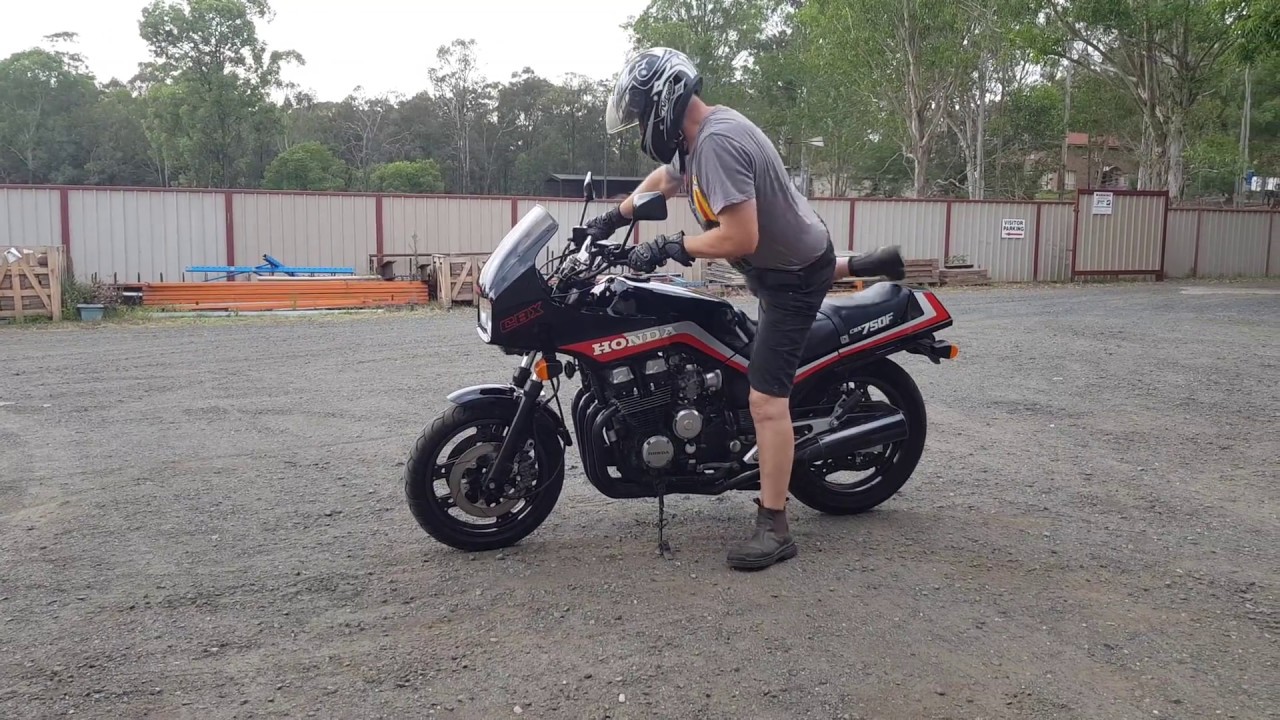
(444, 479)
(859, 482)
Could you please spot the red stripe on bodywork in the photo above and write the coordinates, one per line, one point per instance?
(586, 348)
(942, 316)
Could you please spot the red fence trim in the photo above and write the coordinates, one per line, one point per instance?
(946, 235)
(853, 215)
(1195, 258)
(1075, 237)
(229, 207)
(1035, 257)
(446, 196)
(1126, 193)
(64, 215)
(1086, 273)
(1271, 229)
(379, 239)
(1164, 238)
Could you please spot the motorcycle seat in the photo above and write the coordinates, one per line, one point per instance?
(860, 308)
(837, 317)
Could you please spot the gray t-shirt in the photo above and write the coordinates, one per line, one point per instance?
(732, 162)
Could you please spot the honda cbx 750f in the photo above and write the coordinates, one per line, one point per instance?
(662, 408)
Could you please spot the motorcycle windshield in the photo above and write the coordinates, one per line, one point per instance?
(518, 251)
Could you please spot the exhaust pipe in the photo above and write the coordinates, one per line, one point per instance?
(891, 428)
(888, 429)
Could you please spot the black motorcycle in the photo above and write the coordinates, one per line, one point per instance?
(662, 408)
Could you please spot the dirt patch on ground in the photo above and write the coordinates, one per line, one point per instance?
(206, 520)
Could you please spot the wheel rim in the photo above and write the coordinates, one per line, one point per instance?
(872, 463)
(457, 471)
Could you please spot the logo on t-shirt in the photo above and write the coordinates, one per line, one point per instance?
(701, 207)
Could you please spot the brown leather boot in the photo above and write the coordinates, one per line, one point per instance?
(770, 543)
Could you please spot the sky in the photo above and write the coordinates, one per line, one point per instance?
(381, 45)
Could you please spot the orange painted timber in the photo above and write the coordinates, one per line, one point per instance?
(297, 294)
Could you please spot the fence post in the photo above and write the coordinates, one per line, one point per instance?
(946, 236)
(1035, 257)
(378, 240)
(1195, 257)
(228, 208)
(64, 214)
(853, 205)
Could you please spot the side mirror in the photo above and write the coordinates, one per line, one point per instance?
(650, 206)
(588, 189)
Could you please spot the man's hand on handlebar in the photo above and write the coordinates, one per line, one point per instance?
(649, 256)
(602, 227)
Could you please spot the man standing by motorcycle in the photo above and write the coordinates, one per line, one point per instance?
(752, 216)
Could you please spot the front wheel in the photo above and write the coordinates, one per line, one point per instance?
(445, 479)
(859, 482)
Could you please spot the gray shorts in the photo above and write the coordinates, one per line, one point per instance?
(789, 302)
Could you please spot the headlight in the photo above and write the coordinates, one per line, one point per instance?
(484, 317)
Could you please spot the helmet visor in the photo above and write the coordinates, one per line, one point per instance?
(620, 113)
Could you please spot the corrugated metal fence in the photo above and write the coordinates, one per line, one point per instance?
(150, 233)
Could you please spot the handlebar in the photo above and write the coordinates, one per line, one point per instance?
(584, 264)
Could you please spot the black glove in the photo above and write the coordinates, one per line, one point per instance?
(603, 227)
(647, 257)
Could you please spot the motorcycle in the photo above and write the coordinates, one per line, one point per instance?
(662, 407)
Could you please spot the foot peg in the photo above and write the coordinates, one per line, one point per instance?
(886, 261)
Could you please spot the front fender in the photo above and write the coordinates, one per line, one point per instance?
(503, 394)
(477, 392)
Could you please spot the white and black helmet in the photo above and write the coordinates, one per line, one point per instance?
(653, 91)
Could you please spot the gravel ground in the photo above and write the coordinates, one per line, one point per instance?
(193, 525)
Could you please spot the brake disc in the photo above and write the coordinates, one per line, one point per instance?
(469, 461)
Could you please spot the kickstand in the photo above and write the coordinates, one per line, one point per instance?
(664, 548)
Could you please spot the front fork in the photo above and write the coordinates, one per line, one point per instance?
(530, 389)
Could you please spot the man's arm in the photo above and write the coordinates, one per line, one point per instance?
(727, 180)
(662, 179)
(737, 235)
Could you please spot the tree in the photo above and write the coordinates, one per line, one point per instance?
(1164, 53)
(45, 98)
(460, 87)
(367, 135)
(215, 116)
(306, 166)
(408, 176)
(115, 140)
(899, 57)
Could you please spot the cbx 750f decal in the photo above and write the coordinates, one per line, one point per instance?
(522, 317)
(866, 328)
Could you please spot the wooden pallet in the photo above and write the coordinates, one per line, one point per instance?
(974, 276)
(31, 286)
(922, 271)
(719, 272)
(455, 277)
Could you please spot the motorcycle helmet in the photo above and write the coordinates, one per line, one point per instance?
(653, 91)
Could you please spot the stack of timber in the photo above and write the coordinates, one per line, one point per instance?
(719, 272)
(297, 294)
(970, 276)
(453, 277)
(31, 283)
(922, 272)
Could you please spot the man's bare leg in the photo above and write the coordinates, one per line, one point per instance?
(776, 440)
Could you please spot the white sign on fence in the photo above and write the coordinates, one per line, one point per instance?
(1102, 203)
(1013, 229)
